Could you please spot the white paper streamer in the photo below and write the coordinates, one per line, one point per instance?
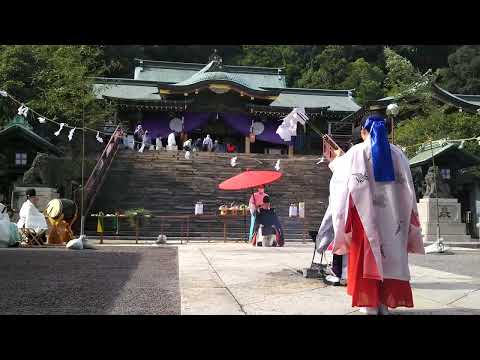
(187, 155)
(23, 110)
(41, 120)
(141, 148)
(277, 165)
(59, 130)
(3, 93)
(100, 140)
(233, 161)
(70, 134)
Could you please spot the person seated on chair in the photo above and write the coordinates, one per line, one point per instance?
(30, 217)
(138, 137)
(146, 140)
(215, 146)
(9, 236)
(171, 142)
(197, 145)
(187, 145)
(207, 144)
(268, 228)
(231, 148)
(158, 144)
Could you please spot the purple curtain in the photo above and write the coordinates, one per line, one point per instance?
(242, 122)
(159, 124)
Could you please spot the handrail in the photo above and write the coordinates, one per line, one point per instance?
(98, 174)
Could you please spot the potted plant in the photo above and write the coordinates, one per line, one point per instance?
(223, 209)
(138, 217)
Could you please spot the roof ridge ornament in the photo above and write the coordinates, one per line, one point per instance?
(217, 60)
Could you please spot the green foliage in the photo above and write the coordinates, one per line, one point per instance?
(329, 70)
(463, 73)
(55, 80)
(138, 216)
(401, 74)
(285, 56)
(439, 125)
(366, 79)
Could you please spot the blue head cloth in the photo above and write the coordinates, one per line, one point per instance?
(381, 153)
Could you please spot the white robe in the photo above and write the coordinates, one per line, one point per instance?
(385, 209)
(31, 218)
(5, 228)
(171, 140)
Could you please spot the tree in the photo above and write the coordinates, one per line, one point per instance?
(121, 58)
(463, 73)
(366, 79)
(401, 74)
(329, 70)
(438, 124)
(55, 80)
(291, 58)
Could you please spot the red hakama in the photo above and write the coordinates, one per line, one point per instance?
(364, 282)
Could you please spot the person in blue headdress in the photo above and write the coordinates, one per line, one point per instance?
(375, 219)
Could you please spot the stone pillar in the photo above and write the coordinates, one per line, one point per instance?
(247, 144)
(450, 220)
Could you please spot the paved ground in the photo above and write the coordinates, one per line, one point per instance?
(241, 279)
(215, 278)
(119, 280)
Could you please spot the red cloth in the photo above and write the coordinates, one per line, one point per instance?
(364, 283)
(230, 148)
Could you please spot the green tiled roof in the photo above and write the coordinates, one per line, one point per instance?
(29, 134)
(172, 73)
(471, 99)
(469, 103)
(218, 76)
(125, 89)
(458, 157)
(335, 100)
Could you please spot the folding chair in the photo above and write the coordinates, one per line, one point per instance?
(32, 237)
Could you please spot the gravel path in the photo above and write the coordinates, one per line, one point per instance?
(115, 280)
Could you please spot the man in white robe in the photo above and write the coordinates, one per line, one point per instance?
(30, 217)
(375, 219)
(171, 142)
(207, 143)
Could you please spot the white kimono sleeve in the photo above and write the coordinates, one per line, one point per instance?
(338, 201)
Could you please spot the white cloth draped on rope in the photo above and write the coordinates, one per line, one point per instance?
(288, 127)
(386, 209)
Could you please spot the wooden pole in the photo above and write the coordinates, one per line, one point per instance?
(290, 150)
(225, 229)
(247, 144)
(136, 229)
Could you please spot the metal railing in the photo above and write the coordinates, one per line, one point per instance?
(100, 171)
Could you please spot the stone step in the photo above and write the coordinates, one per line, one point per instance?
(166, 183)
(450, 238)
(445, 228)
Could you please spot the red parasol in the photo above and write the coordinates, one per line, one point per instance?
(250, 179)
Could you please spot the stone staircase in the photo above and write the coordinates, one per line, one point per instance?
(167, 184)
